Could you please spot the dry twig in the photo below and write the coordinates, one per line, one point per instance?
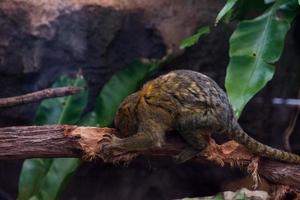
(37, 96)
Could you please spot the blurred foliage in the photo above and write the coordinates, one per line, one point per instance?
(255, 45)
(226, 10)
(242, 9)
(44, 179)
(193, 39)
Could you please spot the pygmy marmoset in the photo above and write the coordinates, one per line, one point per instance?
(188, 102)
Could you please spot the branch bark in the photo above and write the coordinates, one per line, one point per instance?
(83, 142)
(37, 96)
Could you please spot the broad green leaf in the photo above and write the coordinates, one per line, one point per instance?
(225, 10)
(44, 178)
(118, 87)
(89, 119)
(52, 111)
(32, 174)
(299, 2)
(191, 40)
(54, 182)
(240, 93)
(255, 46)
(48, 112)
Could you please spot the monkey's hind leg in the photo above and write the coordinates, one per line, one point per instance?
(197, 141)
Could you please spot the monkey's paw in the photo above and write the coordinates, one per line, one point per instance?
(112, 150)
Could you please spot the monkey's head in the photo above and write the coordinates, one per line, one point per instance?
(126, 117)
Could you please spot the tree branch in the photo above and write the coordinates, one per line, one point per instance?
(37, 96)
(83, 142)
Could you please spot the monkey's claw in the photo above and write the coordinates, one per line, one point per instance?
(112, 148)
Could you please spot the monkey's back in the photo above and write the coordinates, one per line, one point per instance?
(196, 95)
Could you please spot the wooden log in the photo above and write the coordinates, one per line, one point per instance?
(83, 142)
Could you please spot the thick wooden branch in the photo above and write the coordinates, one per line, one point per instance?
(50, 141)
(83, 142)
(37, 96)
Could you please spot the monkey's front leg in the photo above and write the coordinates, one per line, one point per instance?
(114, 146)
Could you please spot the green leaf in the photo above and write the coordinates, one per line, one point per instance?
(191, 40)
(54, 181)
(89, 119)
(118, 87)
(74, 105)
(299, 2)
(32, 175)
(255, 46)
(64, 109)
(45, 178)
(225, 10)
(254, 80)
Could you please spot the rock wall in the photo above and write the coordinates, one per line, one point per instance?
(40, 39)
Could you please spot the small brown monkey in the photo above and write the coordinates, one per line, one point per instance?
(186, 101)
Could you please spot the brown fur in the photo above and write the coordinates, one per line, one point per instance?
(186, 101)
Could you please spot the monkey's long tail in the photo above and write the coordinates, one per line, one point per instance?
(239, 135)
